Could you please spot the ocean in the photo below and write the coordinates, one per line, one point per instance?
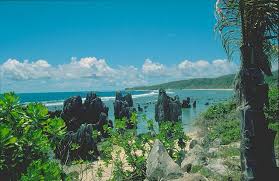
(54, 101)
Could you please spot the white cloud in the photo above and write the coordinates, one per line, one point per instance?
(204, 68)
(153, 68)
(90, 73)
(16, 70)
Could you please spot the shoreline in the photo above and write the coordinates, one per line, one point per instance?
(217, 89)
(211, 89)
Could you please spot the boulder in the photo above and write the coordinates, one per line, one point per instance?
(160, 165)
(194, 157)
(167, 108)
(217, 166)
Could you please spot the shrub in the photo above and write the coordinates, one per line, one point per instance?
(227, 130)
(272, 111)
(27, 134)
(137, 147)
(40, 170)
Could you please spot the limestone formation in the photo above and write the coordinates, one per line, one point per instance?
(123, 108)
(72, 113)
(85, 145)
(167, 108)
(92, 111)
(186, 103)
(160, 165)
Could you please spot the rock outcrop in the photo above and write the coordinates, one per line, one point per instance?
(92, 111)
(72, 113)
(81, 119)
(123, 108)
(167, 108)
(194, 104)
(160, 165)
(86, 146)
(186, 103)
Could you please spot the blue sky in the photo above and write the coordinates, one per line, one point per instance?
(79, 43)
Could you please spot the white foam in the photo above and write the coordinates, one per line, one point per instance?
(105, 99)
(145, 95)
(52, 103)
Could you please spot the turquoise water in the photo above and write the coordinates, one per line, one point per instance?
(55, 100)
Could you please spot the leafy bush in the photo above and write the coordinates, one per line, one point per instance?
(272, 111)
(41, 170)
(228, 131)
(136, 148)
(220, 121)
(272, 114)
(220, 110)
(27, 134)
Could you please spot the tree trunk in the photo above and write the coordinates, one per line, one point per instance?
(257, 141)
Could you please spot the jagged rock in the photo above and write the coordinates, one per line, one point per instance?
(160, 165)
(85, 144)
(123, 108)
(186, 103)
(167, 108)
(72, 113)
(128, 98)
(194, 104)
(91, 111)
(94, 108)
(122, 105)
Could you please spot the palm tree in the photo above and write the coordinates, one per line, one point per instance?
(249, 28)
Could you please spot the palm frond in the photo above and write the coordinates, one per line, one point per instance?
(251, 22)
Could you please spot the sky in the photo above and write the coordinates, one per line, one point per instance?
(48, 46)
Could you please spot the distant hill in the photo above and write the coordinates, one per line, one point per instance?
(223, 82)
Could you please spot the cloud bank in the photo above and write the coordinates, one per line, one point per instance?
(90, 73)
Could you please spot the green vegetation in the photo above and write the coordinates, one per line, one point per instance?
(137, 147)
(223, 82)
(272, 115)
(221, 122)
(29, 138)
(27, 141)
